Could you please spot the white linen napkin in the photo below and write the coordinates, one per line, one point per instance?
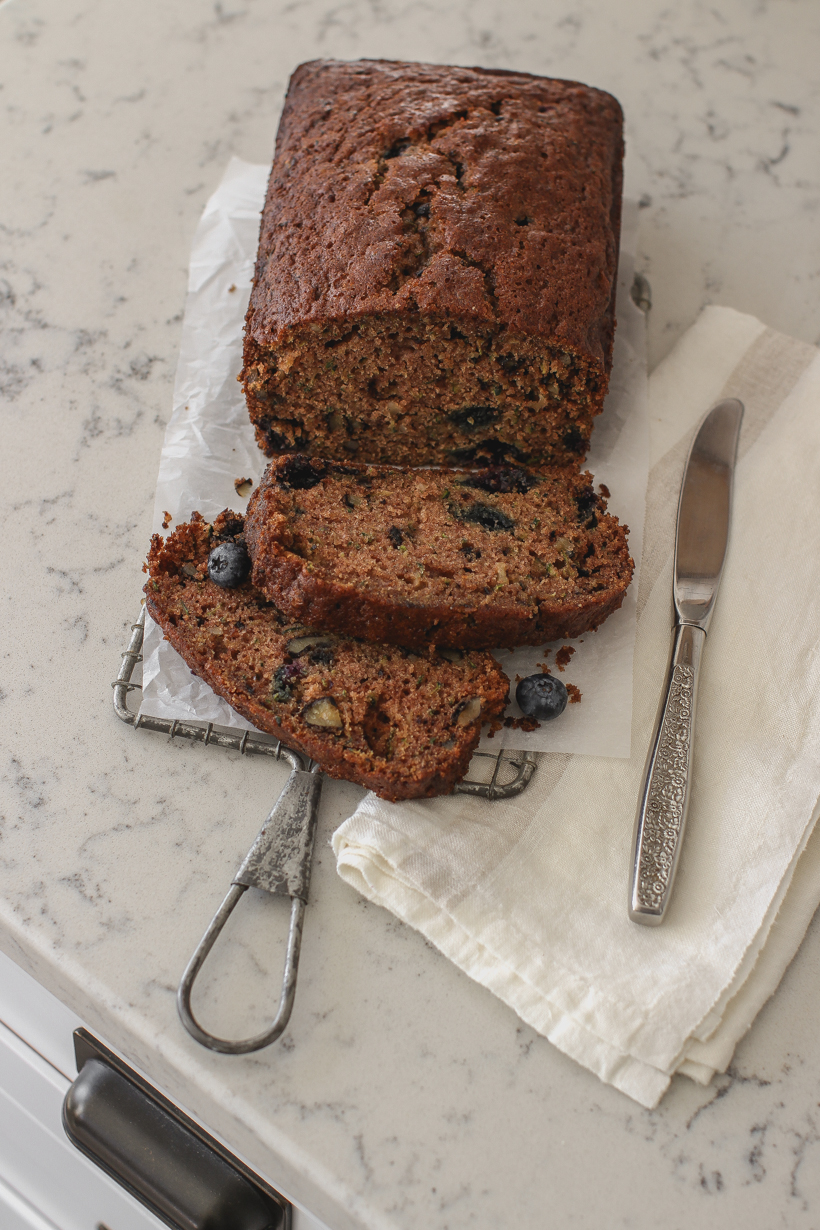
(529, 896)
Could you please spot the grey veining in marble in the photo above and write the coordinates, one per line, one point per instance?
(402, 1095)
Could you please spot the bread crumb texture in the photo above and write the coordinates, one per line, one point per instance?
(494, 557)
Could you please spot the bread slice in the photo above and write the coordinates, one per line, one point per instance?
(473, 559)
(403, 724)
(435, 280)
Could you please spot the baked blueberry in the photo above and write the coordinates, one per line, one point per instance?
(488, 518)
(283, 680)
(229, 564)
(501, 479)
(541, 697)
(587, 502)
(573, 440)
(300, 473)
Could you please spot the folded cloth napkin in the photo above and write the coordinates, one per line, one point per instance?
(529, 896)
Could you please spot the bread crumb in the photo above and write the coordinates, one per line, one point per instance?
(575, 694)
(604, 490)
(563, 656)
(166, 520)
(522, 723)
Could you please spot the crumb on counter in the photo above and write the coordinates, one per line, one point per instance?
(563, 656)
(166, 520)
(575, 694)
(522, 723)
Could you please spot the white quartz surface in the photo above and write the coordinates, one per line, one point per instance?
(402, 1094)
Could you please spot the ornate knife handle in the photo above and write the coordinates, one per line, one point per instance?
(664, 800)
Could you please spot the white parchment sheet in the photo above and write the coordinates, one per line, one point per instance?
(209, 443)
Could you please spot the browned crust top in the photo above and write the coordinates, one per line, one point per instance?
(463, 193)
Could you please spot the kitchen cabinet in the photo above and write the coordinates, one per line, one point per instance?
(45, 1182)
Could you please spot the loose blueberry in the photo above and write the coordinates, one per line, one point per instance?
(229, 564)
(541, 697)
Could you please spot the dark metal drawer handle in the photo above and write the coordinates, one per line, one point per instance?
(166, 1166)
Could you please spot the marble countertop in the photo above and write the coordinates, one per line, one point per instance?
(402, 1095)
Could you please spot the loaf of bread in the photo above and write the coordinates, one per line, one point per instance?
(495, 557)
(437, 262)
(403, 724)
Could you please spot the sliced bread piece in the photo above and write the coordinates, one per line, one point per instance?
(402, 724)
(473, 559)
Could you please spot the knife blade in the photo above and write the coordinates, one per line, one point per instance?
(701, 538)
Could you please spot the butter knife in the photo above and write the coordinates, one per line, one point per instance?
(700, 549)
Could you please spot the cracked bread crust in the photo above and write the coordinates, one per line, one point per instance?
(469, 559)
(437, 262)
(401, 724)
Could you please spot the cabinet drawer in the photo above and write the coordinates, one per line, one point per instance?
(17, 1214)
(38, 1163)
(45, 1182)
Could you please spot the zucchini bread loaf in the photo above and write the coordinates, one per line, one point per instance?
(435, 281)
(403, 724)
(495, 557)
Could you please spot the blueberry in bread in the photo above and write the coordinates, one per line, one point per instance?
(437, 261)
(403, 724)
(472, 559)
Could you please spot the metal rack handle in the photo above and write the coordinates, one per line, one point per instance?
(278, 862)
(286, 998)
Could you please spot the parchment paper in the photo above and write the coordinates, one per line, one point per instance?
(209, 443)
